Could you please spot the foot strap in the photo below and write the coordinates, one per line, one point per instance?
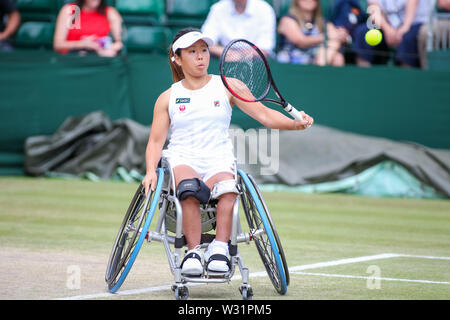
(191, 255)
(219, 257)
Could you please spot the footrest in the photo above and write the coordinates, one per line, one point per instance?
(216, 275)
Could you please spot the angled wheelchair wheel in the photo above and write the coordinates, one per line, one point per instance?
(132, 234)
(267, 243)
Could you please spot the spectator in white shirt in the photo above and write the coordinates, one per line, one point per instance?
(440, 27)
(253, 20)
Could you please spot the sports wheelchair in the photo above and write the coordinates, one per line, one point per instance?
(134, 231)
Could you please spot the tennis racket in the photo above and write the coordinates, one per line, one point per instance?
(246, 74)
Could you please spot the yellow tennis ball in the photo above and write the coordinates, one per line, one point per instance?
(373, 37)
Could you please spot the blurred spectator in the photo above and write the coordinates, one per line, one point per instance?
(302, 36)
(87, 25)
(400, 21)
(444, 5)
(253, 20)
(438, 29)
(347, 14)
(8, 8)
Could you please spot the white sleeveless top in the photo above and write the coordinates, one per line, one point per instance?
(199, 122)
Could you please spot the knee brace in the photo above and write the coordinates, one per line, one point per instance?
(222, 187)
(193, 188)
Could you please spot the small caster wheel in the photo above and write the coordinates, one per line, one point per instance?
(246, 292)
(181, 292)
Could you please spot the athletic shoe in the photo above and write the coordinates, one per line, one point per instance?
(192, 262)
(216, 257)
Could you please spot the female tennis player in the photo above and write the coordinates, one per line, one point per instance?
(197, 109)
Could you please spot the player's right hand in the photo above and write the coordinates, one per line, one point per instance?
(305, 123)
(149, 181)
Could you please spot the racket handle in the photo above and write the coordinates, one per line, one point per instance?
(293, 112)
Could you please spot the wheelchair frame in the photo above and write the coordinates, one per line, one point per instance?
(135, 231)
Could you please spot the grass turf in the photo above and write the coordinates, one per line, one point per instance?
(77, 221)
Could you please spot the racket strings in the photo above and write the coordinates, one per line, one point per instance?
(245, 72)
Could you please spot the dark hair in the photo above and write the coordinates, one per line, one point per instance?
(177, 72)
(101, 8)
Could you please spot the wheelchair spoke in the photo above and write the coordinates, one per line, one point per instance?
(265, 247)
(261, 240)
(128, 238)
(264, 235)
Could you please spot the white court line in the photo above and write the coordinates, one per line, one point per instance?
(365, 277)
(344, 261)
(125, 292)
(108, 295)
(259, 274)
(327, 264)
(423, 257)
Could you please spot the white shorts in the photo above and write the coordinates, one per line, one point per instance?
(205, 168)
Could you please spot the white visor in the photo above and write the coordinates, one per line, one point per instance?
(189, 39)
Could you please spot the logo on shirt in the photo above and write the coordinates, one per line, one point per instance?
(182, 107)
(182, 100)
(216, 103)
